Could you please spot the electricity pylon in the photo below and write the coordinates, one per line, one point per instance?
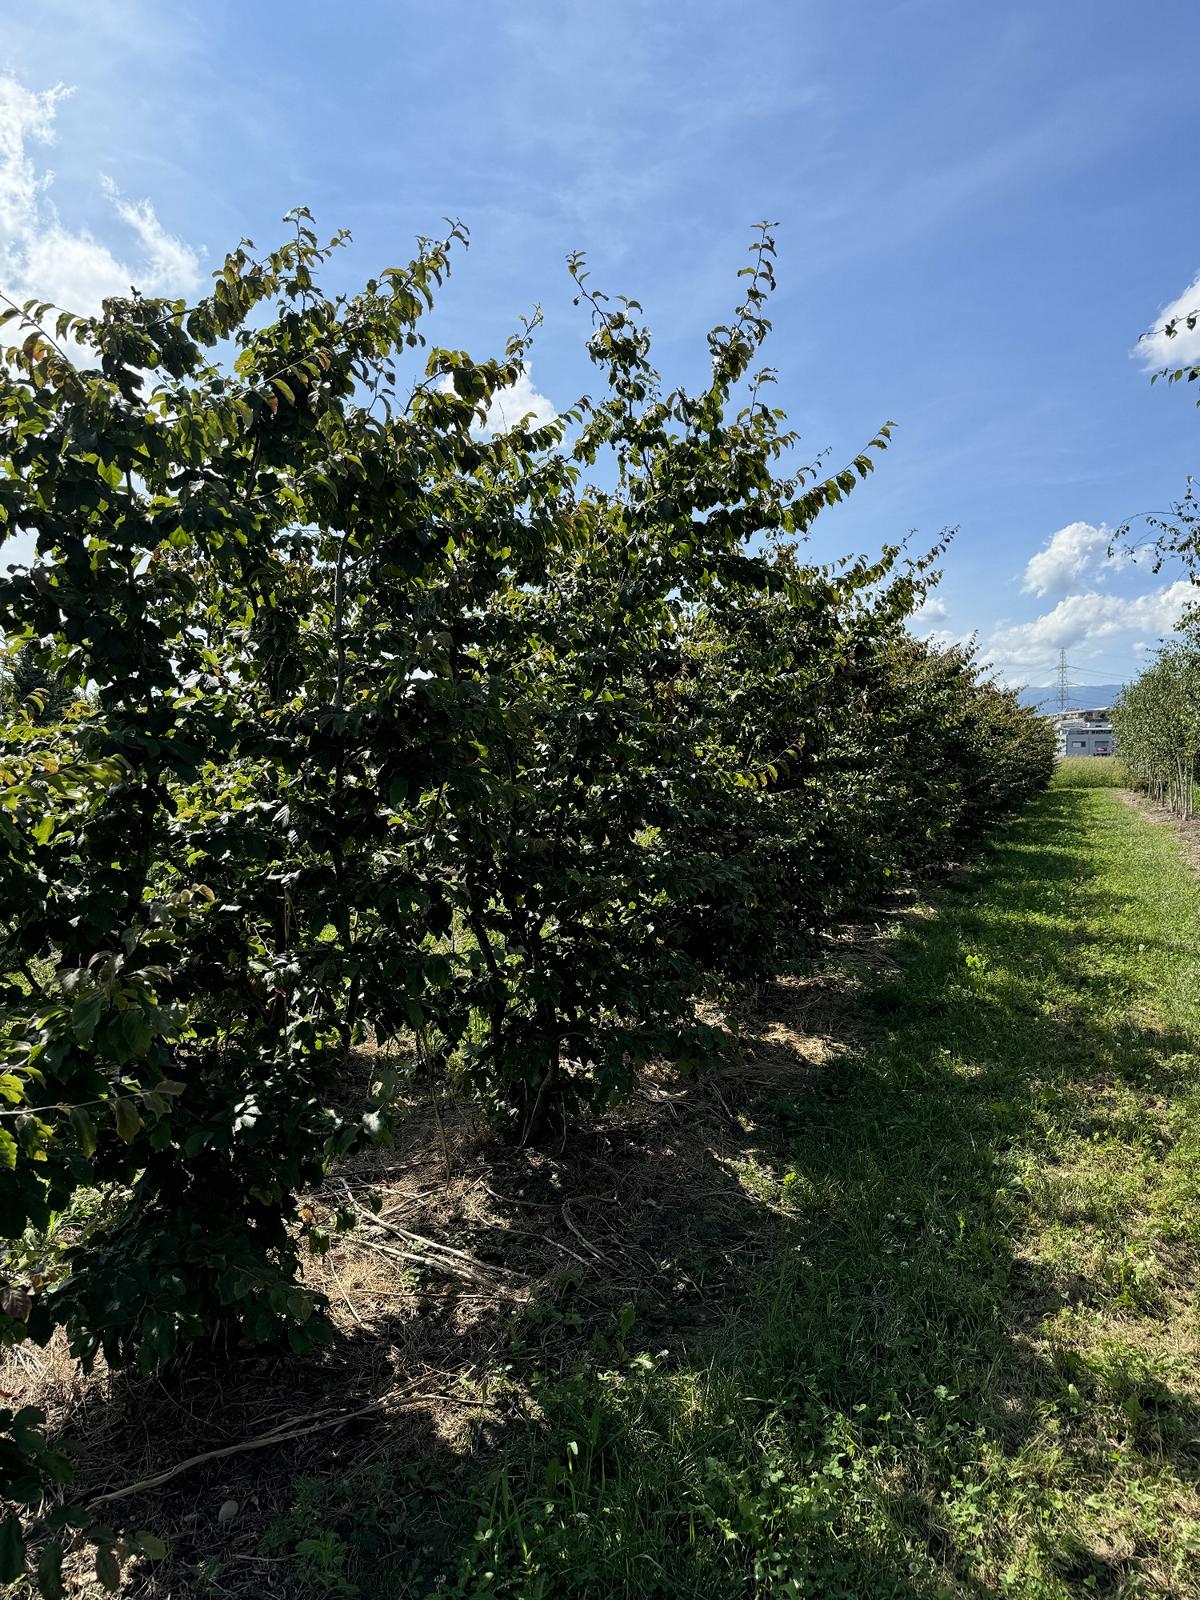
(1064, 683)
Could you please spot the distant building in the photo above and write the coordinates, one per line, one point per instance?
(1083, 733)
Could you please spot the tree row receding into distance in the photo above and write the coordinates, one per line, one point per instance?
(1156, 720)
(338, 718)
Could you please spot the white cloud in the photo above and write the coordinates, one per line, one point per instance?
(1079, 622)
(930, 623)
(510, 405)
(1156, 350)
(923, 621)
(168, 262)
(41, 258)
(22, 116)
(1064, 558)
(945, 638)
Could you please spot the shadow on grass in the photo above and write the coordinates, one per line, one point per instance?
(778, 1338)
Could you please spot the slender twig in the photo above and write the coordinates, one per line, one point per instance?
(586, 1243)
(496, 1288)
(341, 1289)
(278, 1436)
(419, 1239)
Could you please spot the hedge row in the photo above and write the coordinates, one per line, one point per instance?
(1156, 720)
(512, 746)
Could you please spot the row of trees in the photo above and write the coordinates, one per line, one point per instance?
(1157, 723)
(512, 747)
(1157, 718)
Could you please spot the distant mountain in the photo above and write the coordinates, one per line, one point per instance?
(1096, 694)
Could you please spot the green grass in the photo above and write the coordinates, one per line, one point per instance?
(1090, 772)
(971, 1369)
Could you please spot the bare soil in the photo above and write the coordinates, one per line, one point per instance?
(482, 1269)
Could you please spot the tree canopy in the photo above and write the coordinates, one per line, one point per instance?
(511, 754)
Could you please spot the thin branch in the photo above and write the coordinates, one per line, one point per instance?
(278, 1436)
(422, 1243)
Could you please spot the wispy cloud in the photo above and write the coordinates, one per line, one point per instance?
(40, 256)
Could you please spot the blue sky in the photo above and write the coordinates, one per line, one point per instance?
(979, 208)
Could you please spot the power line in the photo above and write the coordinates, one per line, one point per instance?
(1049, 669)
(1101, 669)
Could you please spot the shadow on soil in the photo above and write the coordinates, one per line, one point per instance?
(796, 1275)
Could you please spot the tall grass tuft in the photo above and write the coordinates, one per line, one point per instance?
(1090, 772)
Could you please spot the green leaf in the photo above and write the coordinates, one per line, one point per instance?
(49, 1572)
(128, 1119)
(85, 1130)
(85, 1014)
(108, 1568)
(12, 1549)
(136, 1031)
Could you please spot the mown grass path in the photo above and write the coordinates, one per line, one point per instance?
(973, 1370)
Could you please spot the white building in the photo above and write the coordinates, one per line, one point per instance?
(1083, 733)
